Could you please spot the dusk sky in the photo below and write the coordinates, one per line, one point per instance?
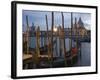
(38, 18)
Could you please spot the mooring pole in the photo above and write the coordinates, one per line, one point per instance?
(56, 35)
(36, 55)
(76, 33)
(52, 26)
(59, 30)
(27, 33)
(64, 48)
(38, 41)
(71, 36)
(48, 44)
(71, 27)
(47, 26)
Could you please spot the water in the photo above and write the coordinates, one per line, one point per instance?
(84, 57)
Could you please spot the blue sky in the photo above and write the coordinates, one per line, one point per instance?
(38, 18)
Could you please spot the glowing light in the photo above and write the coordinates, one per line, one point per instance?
(55, 29)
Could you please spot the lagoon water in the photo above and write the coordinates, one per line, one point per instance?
(84, 57)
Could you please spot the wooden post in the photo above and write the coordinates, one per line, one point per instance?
(56, 35)
(71, 35)
(64, 39)
(47, 26)
(27, 33)
(52, 25)
(69, 39)
(71, 28)
(63, 31)
(38, 40)
(48, 44)
(76, 33)
(37, 43)
(59, 30)
(52, 30)
(36, 55)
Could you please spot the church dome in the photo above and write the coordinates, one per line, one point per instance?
(80, 22)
